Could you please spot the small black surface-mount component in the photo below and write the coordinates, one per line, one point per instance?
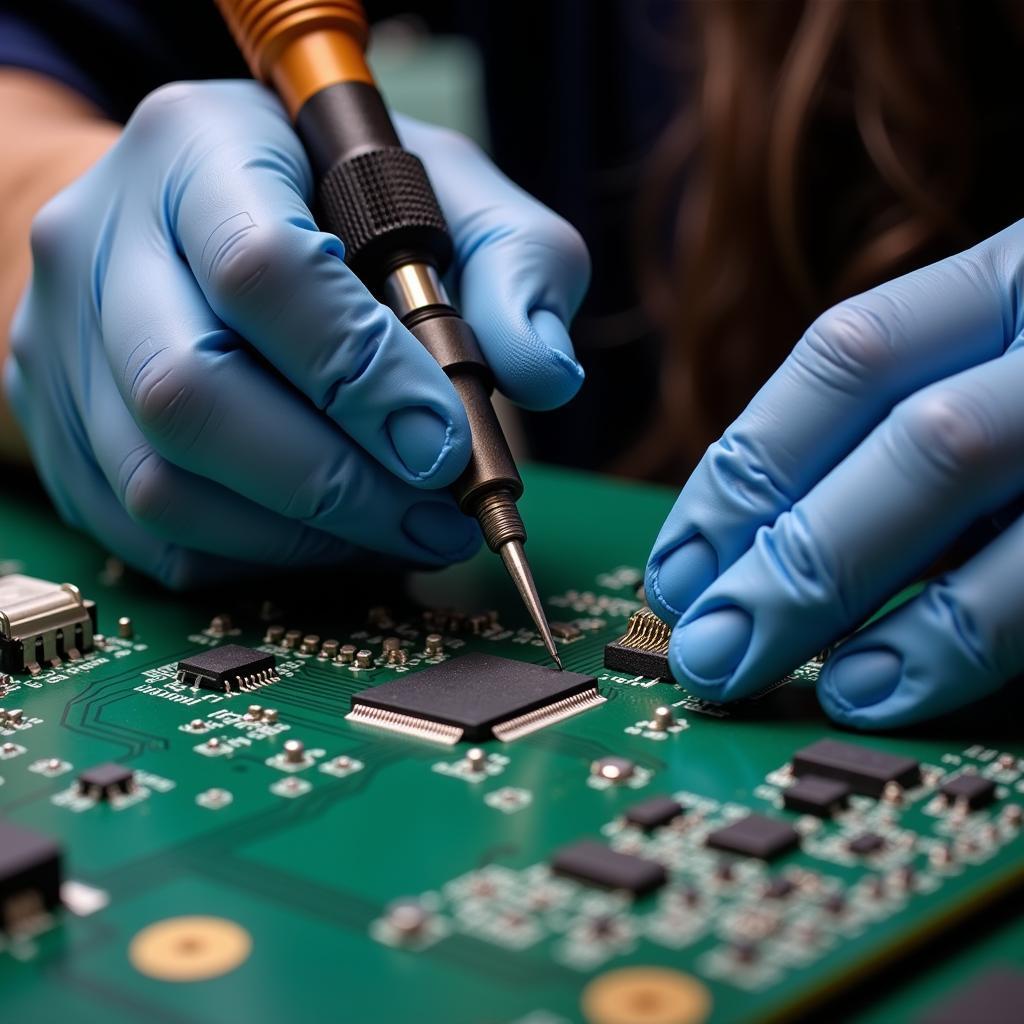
(812, 794)
(30, 877)
(653, 813)
(590, 862)
(994, 996)
(42, 623)
(643, 649)
(866, 770)
(865, 843)
(103, 781)
(973, 790)
(779, 888)
(228, 669)
(756, 835)
(475, 697)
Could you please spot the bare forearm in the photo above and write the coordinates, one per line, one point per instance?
(51, 136)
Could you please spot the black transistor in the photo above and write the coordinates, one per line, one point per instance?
(653, 813)
(103, 781)
(811, 794)
(30, 876)
(865, 843)
(756, 835)
(588, 861)
(973, 790)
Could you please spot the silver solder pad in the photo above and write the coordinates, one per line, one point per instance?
(475, 697)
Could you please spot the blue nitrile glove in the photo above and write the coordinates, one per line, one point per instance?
(895, 423)
(198, 371)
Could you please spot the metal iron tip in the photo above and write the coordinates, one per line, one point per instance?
(514, 557)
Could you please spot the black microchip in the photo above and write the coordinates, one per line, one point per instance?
(756, 835)
(227, 668)
(866, 770)
(590, 862)
(812, 794)
(974, 790)
(993, 997)
(103, 781)
(475, 697)
(653, 813)
(636, 663)
(865, 843)
(30, 875)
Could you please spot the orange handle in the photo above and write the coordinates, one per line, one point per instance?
(300, 46)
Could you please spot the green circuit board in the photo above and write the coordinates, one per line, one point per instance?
(364, 875)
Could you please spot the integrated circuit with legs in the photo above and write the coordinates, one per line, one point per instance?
(475, 697)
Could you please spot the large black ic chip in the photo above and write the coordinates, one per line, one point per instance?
(475, 697)
(30, 875)
(756, 835)
(590, 862)
(227, 669)
(866, 770)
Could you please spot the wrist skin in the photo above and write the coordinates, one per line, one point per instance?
(52, 135)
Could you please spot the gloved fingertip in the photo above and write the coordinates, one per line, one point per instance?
(864, 678)
(676, 579)
(551, 330)
(553, 389)
(707, 650)
(854, 688)
(423, 441)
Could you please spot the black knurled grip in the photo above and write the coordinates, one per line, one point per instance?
(381, 204)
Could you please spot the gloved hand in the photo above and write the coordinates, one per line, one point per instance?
(895, 423)
(205, 385)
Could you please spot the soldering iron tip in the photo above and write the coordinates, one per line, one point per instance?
(514, 557)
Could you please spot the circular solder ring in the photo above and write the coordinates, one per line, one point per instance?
(192, 948)
(646, 995)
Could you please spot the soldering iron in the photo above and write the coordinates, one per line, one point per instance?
(376, 197)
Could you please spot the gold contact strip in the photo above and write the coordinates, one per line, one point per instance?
(523, 725)
(436, 732)
(646, 632)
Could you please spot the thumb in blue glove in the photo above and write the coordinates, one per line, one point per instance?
(894, 425)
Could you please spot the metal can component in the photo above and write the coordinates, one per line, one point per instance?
(663, 718)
